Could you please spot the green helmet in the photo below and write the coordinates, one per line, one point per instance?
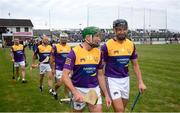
(90, 31)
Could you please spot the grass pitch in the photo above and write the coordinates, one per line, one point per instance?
(160, 66)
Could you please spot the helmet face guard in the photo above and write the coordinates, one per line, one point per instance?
(63, 38)
(93, 32)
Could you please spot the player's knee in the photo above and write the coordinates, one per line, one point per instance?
(77, 111)
(119, 109)
(58, 84)
(23, 68)
(50, 76)
(95, 108)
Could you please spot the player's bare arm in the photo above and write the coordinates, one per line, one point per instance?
(137, 71)
(52, 61)
(12, 55)
(102, 85)
(67, 81)
(33, 59)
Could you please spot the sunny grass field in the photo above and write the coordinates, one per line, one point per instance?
(160, 66)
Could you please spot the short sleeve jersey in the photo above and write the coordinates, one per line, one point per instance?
(18, 52)
(85, 65)
(117, 56)
(43, 52)
(60, 53)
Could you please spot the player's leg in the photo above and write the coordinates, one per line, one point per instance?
(125, 90)
(16, 66)
(17, 73)
(119, 92)
(98, 106)
(58, 79)
(23, 74)
(118, 105)
(95, 108)
(22, 64)
(41, 82)
(48, 71)
(42, 72)
(125, 101)
(57, 83)
(13, 77)
(50, 79)
(66, 92)
(57, 86)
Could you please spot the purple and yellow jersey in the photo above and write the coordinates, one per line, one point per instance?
(85, 65)
(43, 52)
(18, 52)
(117, 57)
(60, 53)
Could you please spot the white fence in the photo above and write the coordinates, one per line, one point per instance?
(137, 42)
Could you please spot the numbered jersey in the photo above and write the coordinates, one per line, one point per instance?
(18, 52)
(85, 65)
(117, 56)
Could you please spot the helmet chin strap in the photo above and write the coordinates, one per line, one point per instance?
(63, 43)
(88, 43)
(92, 45)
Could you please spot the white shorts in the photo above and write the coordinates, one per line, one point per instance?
(18, 64)
(58, 74)
(118, 87)
(80, 106)
(44, 68)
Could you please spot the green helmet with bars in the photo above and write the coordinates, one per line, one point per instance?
(90, 31)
